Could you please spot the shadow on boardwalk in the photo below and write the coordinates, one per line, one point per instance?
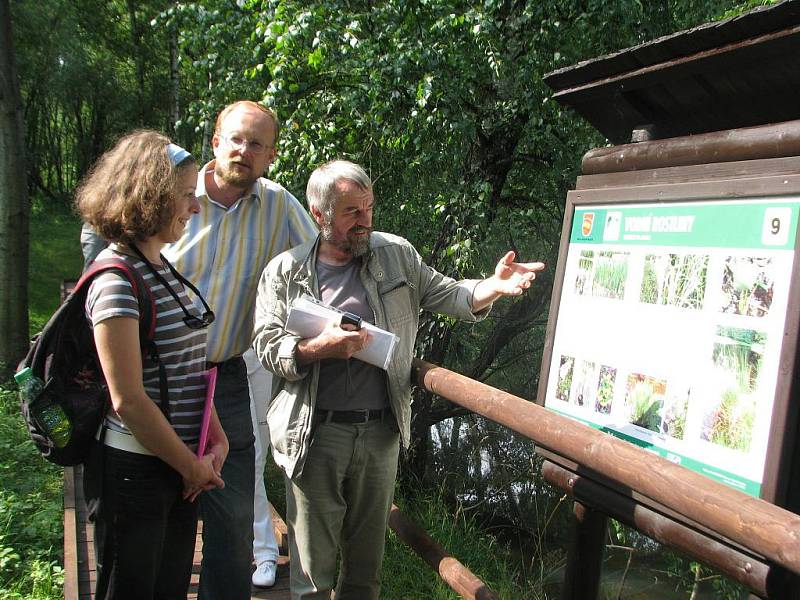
(79, 565)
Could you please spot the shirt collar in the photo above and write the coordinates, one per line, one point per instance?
(201, 191)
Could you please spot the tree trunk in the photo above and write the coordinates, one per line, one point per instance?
(136, 43)
(14, 209)
(174, 81)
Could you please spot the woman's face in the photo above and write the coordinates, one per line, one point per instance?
(185, 206)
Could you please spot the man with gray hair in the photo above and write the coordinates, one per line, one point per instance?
(339, 489)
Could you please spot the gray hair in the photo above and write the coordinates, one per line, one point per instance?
(321, 188)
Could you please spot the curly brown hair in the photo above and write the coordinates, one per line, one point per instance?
(128, 194)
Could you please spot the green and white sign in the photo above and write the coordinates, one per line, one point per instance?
(670, 326)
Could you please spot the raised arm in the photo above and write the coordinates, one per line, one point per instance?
(510, 279)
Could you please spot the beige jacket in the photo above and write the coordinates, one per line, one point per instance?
(398, 285)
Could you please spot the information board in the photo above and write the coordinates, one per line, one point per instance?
(670, 328)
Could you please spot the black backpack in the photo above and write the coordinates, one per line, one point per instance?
(64, 357)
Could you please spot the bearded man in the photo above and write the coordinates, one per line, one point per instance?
(244, 221)
(335, 422)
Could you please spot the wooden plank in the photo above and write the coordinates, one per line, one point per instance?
(743, 169)
(70, 538)
(748, 187)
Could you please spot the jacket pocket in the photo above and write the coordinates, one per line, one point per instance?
(396, 296)
(280, 421)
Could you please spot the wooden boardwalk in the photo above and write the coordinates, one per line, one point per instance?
(79, 564)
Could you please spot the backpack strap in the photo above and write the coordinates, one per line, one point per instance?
(147, 316)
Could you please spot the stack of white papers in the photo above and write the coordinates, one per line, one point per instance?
(308, 317)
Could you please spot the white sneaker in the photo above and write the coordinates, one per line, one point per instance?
(264, 575)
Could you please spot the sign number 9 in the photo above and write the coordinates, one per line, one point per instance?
(776, 226)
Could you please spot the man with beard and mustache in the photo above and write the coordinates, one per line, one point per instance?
(244, 221)
(336, 423)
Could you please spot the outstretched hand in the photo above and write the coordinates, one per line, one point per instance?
(512, 278)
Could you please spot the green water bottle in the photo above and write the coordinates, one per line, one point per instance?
(51, 416)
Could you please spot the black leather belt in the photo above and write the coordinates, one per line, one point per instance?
(226, 365)
(350, 416)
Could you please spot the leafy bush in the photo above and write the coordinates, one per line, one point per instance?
(31, 527)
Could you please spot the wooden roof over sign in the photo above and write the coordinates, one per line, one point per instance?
(740, 72)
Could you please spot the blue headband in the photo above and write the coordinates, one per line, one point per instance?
(177, 154)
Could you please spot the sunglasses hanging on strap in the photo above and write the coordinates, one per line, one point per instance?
(191, 321)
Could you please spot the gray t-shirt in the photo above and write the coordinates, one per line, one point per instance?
(348, 384)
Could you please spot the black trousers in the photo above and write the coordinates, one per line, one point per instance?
(144, 530)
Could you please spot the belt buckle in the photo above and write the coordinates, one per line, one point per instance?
(366, 414)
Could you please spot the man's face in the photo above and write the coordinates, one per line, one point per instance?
(349, 227)
(244, 147)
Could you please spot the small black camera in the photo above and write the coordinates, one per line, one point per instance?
(349, 318)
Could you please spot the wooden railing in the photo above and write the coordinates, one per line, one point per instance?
(750, 540)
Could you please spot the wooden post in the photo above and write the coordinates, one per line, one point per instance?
(460, 579)
(585, 556)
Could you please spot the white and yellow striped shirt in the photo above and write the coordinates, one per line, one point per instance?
(224, 251)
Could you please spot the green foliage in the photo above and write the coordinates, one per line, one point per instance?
(649, 291)
(406, 576)
(610, 273)
(31, 526)
(605, 389)
(645, 406)
(675, 280)
(30, 512)
(86, 76)
(733, 423)
(441, 100)
(55, 256)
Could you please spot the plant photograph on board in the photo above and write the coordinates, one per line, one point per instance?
(585, 383)
(674, 280)
(737, 359)
(676, 404)
(644, 398)
(605, 390)
(602, 274)
(747, 286)
(565, 371)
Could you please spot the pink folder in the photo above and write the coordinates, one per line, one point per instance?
(211, 383)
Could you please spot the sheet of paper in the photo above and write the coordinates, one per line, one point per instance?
(308, 317)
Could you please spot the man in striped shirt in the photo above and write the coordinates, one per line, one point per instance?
(245, 220)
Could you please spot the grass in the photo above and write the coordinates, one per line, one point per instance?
(55, 255)
(407, 577)
(31, 526)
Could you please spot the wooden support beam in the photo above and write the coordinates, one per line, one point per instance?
(748, 143)
(585, 556)
(751, 571)
(454, 574)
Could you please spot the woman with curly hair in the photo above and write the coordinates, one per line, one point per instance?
(139, 196)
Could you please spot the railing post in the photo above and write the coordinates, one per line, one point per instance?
(585, 556)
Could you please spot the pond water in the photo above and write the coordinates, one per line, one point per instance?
(643, 581)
